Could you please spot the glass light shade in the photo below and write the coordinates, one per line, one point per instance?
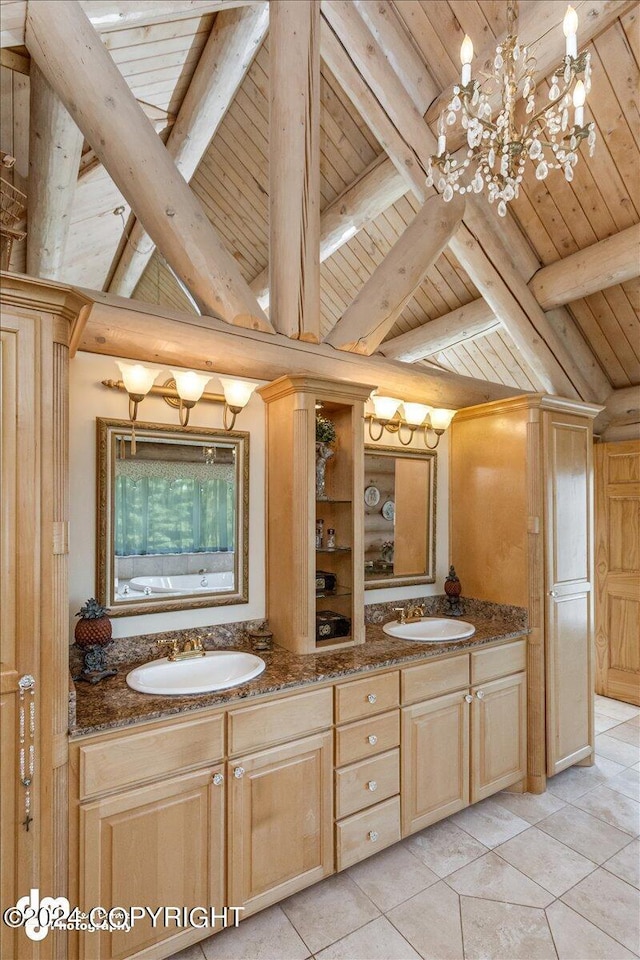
(440, 419)
(570, 22)
(385, 407)
(237, 392)
(189, 384)
(137, 378)
(466, 50)
(579, 94)
(415, 413)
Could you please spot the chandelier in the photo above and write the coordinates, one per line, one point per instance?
(498, 147)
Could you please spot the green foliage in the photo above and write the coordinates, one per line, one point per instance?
(92, 610)
(325, 430)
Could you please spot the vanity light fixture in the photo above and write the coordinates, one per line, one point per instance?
(417, 416)
(137, 380)
(236, 395)
(190, 387)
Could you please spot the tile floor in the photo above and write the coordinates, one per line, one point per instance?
(516, 877)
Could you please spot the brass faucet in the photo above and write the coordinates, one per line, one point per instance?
(410, 614)
(191, 648)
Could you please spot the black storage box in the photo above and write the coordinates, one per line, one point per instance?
(325, 582)
(330, 624)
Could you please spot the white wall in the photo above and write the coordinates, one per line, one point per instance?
(89, 399)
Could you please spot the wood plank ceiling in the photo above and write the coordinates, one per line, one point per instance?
(232, 180)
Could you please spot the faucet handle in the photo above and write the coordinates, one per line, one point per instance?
(173, 647)
(402, 612)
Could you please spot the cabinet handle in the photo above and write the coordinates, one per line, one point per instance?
(371, 697)
(468, 697)
(238, 772)
(372, 785)
(553, 593)
(480, 695)
(372, 739)
(373, 835)
(218, 778)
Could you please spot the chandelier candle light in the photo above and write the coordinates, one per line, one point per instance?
(498, 147)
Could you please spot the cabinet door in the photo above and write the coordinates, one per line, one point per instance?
(568, 581)
(155, 846)
(280, 821)
(435, 760)
(498, 735)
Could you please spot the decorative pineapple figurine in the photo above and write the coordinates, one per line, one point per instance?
(453, 589)
(92, 635)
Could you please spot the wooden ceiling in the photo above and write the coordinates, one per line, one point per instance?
(556, 218)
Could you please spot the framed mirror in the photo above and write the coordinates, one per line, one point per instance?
(172, 517)
(399, 516)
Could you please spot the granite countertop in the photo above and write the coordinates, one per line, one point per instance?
(112, 704)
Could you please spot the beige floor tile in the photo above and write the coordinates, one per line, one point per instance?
(329, 911)
(576, 937)
(431, 923)
(392, 876)
(530, 806)
(626, 864)
(545, 860)
(493, 878)
(575, 781)
(591, 837)
(627, 782)
(617, 750)
(503, 931)
(444, 847)
(628, 732)
(615, 708)
(489, 822)
(602, 722)
(377, 940)
(194, 952)
(611, 904)
(613, 808)
(634, 721)
(265, 935)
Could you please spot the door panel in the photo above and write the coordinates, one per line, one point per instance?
(498, 735)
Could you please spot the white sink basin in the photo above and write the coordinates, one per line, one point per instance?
(217, 670)
(430, 630)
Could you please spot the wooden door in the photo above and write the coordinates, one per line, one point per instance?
(618, 570)
(498, 735)
(568, 502)
(280, 821)
(435, 760)
(158, 846)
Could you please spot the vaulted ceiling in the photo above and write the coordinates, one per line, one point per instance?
(550, 221)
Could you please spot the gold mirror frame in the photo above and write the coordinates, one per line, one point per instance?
(430, 576)
(108, 432)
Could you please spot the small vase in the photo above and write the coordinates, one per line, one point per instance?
(323, 454)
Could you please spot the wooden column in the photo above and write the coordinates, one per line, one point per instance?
(294, 168)
(55, 147)
(76, 64)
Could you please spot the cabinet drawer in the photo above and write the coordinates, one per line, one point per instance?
(498, 661)
(254, 727)
(367, 782)
(363, 698)
(367, 737)
(150, 754)
(432, 679)
(364, 834)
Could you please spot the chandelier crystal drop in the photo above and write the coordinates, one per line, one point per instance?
(499, 142)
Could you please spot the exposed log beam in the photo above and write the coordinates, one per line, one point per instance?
(618, 432)
(120, 327)
(109, 15)
(620, 419)
(294, 167)
(55, 147)
(234, 40)
(376, 189)
(471, 320)
(98, 98)
(602, 265)
(365, 323)
(494, 275)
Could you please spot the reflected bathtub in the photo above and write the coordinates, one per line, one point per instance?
(185, 583)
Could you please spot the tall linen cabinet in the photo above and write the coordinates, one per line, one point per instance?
(521, 526)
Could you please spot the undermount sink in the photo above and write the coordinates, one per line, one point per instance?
(217, 670)
(430, 630)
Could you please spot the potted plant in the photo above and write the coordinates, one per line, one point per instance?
(325, 437)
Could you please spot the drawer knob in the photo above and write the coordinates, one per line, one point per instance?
(468, 697)
(238, 772)
(218, 778)
(371, 697)
(480, 695)
(372, 785)
(372, 739)
(373, 835)
(553, 593)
